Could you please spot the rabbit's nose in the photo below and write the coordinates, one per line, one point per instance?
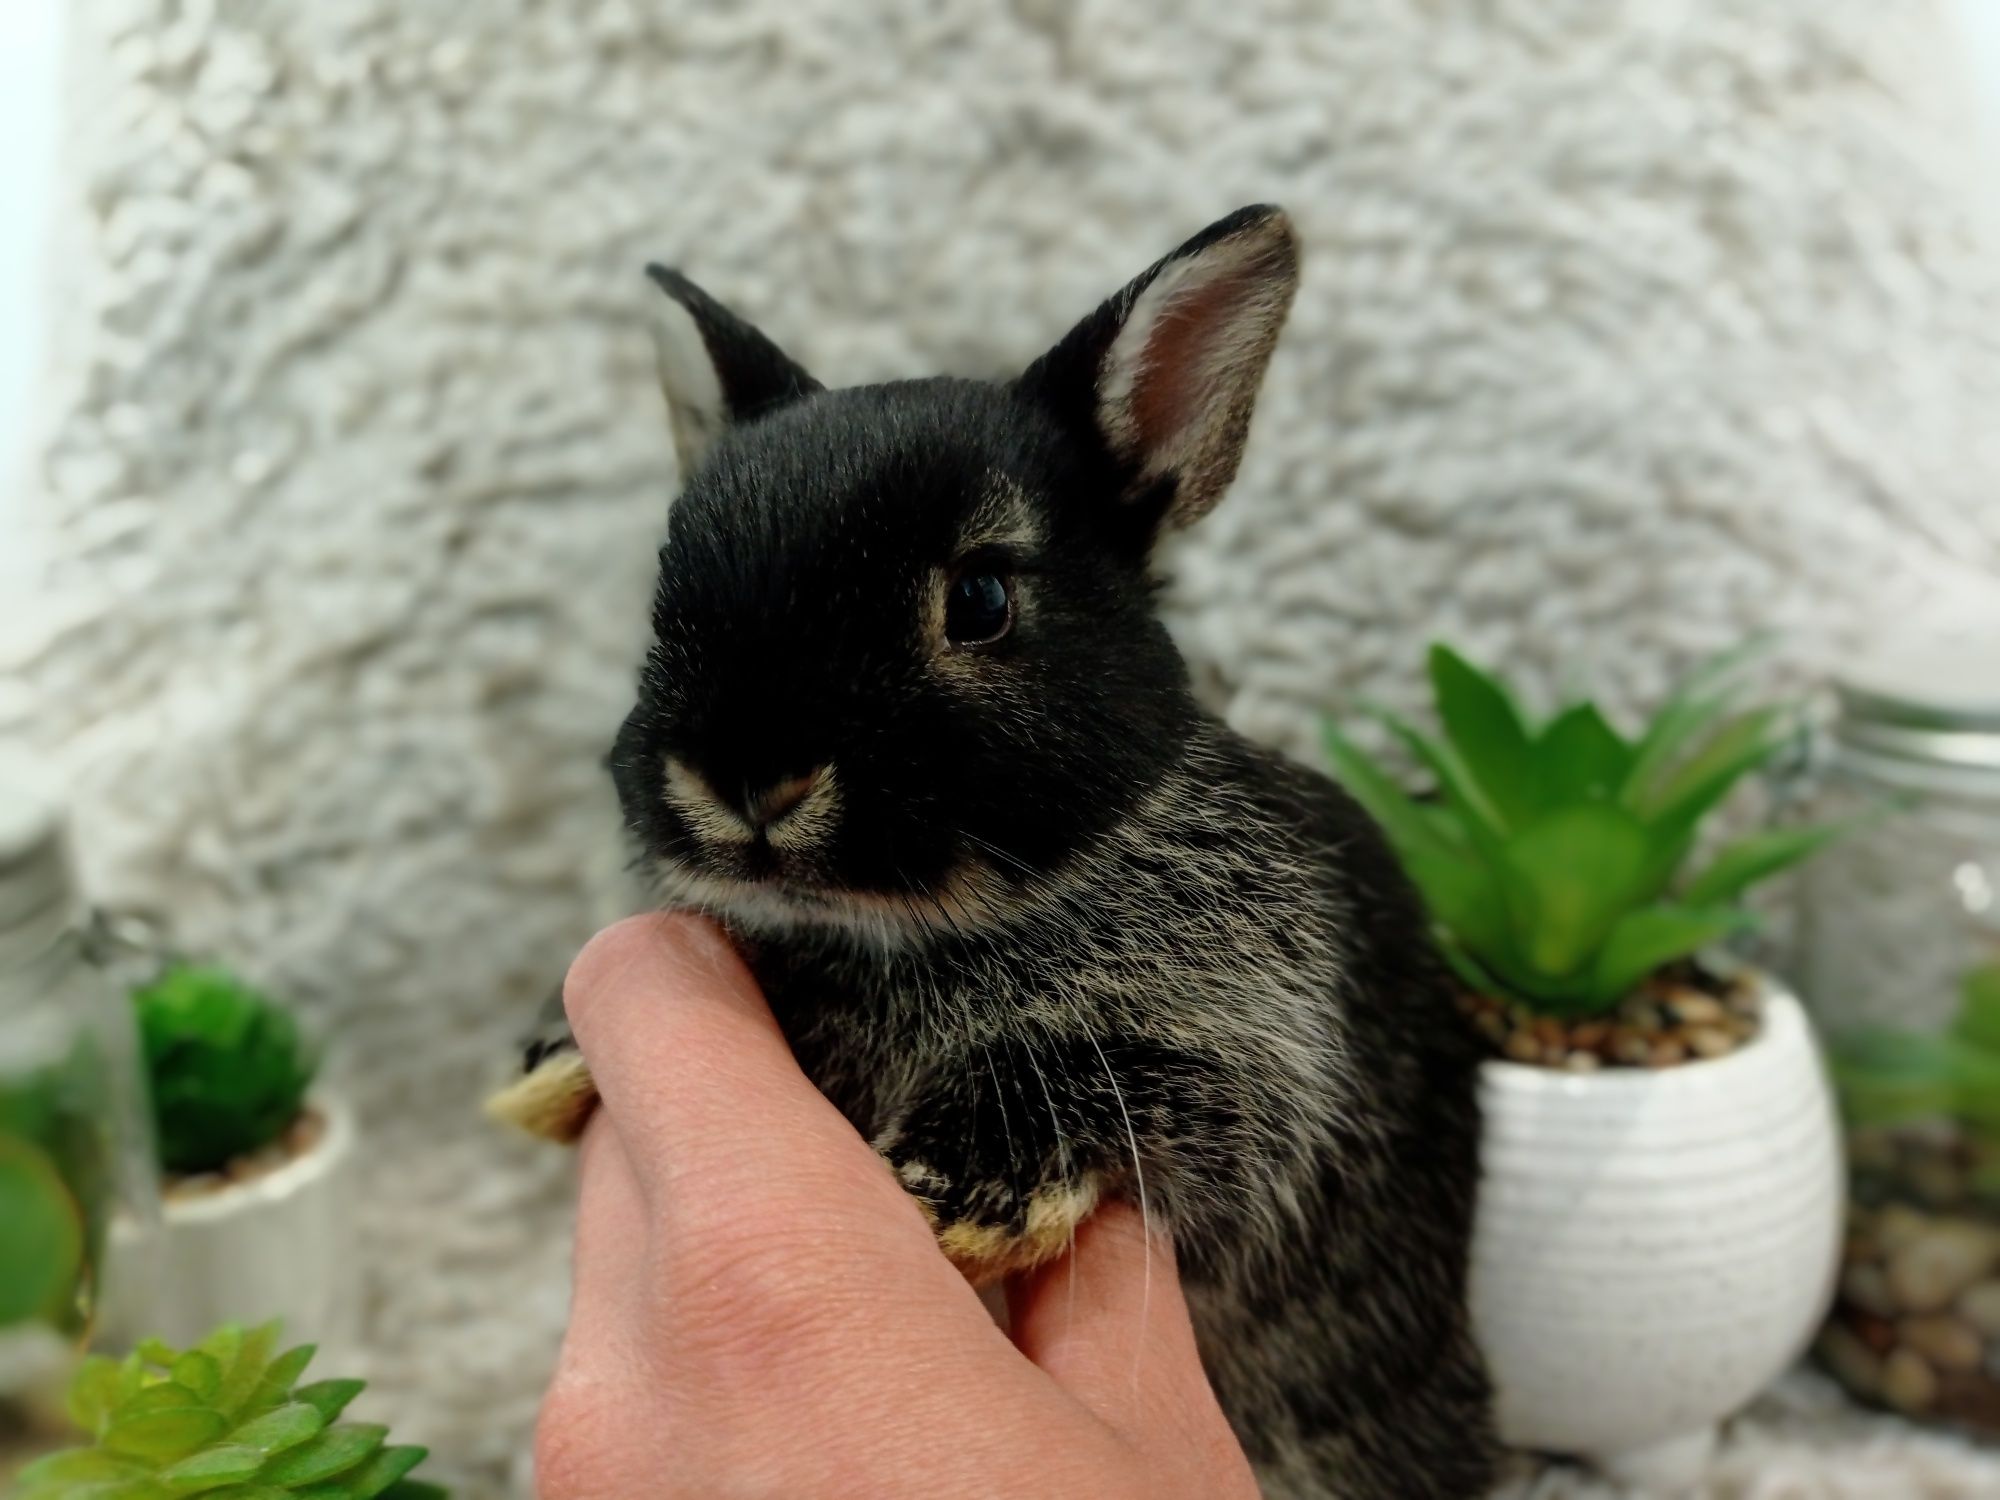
(776, 801)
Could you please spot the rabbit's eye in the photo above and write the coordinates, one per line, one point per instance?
(978, 610)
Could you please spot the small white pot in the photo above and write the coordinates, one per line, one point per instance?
(280, 1245)
(1653, 1247)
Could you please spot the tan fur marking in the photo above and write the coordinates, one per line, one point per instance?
(554, 1102)
(693, 798)
(812, 818)
(985, 1253)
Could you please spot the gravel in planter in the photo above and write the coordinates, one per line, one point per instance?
(1683, 1015)
(1916, 1325)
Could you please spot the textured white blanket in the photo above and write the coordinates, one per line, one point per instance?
(1626, 327)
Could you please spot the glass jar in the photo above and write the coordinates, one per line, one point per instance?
(75, 1137)
(1899, 956)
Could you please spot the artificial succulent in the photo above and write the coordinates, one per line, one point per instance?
(1552, 855)
(224, 1420)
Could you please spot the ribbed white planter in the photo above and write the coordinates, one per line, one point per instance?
(280, 1245)
(1652, 1248)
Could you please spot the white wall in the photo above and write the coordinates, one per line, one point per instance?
(30, 33)
(30, 56)
(1980, 21)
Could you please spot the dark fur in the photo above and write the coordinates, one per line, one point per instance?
(1068, 933)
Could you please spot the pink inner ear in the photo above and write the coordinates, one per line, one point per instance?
(1181, 355)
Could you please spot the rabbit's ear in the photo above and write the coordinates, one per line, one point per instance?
(1166, 372)
(714, 367)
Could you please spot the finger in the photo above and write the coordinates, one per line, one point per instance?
(688, 1056)
(611, 1231)
(725, 1136)
(607, 1265)
(1109, 1324)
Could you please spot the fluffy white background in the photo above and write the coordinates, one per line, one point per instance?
(1626, 327)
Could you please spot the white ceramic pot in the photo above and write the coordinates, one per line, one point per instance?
(280, 1245)
(1652, 1248)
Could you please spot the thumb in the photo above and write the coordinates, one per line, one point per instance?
(729, 1144)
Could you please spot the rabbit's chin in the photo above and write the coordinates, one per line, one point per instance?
(968, 902)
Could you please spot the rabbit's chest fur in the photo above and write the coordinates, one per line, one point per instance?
(1229, 1011)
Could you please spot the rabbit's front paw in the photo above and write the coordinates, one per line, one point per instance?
(992, 1219)
(554, 1097)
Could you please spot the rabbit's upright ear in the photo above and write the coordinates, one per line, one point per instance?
(1166, 372)
(714, 367)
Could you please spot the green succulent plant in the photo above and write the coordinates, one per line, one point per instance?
(1552, 856)
(227, 1067)
(224, 1420)
(1887, 1076)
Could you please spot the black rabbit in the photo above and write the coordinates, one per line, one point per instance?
(1040, 926)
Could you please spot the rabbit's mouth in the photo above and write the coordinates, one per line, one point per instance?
(774, 857)
(781, 900)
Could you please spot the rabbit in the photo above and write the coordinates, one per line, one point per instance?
(1041, 927)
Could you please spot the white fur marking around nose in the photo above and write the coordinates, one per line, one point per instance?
(711, 818)
(812, 818)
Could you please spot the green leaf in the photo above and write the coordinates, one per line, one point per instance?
(249, 1492)
(161, 1395)
(156, 1352)
(332, 1452)
(211, 1469)
(1641, 941)
(165, 1436)
(1407, 825)
(1487, 734)
(381, 1471)
(79, 1466)
(199, 1373)
(223, 1345)
(415, 1489)
(253, 1358)
(329, 1397)
(286, 1427)
(109, 1489)
(1744, 863)
(41, 1237)
(1699, 700)
(1579, 758)
(1690, 792)
(274, 1388)
(1481, 823)
(1465, 874)
(93, 1392)
(1576, 872)
(1465, 899)
(1978, 1023)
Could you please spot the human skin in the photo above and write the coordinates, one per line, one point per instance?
(760, 1310)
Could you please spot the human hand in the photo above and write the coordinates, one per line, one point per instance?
(760, 1310)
